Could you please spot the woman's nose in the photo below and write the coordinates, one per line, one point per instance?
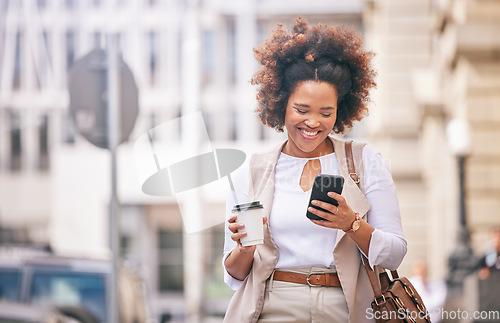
(312, 122)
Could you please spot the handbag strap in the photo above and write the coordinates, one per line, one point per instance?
(371, 274)
(350, 162)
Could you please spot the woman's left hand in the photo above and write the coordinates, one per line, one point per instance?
(339, 217)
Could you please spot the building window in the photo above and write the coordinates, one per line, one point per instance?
(43, 137)
(153, 56)
(232, 51)
(131, 225)
(208, 56)
(233, 123)
(70, 48)
(44, 59)
(17, 62)
(216, 288)
(171, 269)
(15, 141)
(262, 132)
(68, 131)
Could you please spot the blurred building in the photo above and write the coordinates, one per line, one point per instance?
(436, 59)
(438, 63)
(55, 185)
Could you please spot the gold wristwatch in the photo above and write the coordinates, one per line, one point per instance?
(355, 225)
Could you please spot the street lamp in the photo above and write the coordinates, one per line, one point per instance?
(461, 261)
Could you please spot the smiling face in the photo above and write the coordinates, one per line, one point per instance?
(310, 115)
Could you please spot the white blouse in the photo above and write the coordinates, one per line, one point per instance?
(303, 244)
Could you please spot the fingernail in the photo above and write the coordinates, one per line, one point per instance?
(314, 202)
(310, 209)
(330, 194)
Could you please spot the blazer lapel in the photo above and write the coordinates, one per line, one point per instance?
(262, 169)
(353, 195)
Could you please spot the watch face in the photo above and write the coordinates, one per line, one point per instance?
(356, 225)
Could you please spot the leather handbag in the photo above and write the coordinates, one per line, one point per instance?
(394, 298)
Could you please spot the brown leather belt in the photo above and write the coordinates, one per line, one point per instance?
(312, 279)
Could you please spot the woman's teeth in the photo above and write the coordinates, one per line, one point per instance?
(309, 133)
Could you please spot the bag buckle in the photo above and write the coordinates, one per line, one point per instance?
(383, 300)
(309, 283)
(354, 177)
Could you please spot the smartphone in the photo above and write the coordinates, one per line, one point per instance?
(322, 185)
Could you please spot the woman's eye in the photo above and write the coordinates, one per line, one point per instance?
(326, 114)
(300, 111)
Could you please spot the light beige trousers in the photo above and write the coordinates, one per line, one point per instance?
(290, 302)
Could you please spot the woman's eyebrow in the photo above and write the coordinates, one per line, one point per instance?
(303, 105)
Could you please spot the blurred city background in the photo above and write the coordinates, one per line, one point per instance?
(435, 117)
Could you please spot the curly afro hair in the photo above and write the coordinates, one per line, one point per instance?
(331, 54)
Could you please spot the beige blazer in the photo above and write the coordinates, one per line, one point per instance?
(248, 301)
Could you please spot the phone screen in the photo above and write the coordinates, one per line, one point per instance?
(322, 185)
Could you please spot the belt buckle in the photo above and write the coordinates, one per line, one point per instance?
(309, 283)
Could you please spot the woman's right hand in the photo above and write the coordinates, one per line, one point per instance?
(236, 236)
(239, 262)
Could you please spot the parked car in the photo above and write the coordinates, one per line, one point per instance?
(77, 287)
(26, 313)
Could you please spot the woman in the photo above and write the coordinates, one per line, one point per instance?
(313, 81)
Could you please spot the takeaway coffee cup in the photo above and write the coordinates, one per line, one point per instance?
(250, 214)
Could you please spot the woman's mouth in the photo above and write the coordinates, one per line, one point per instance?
(309, 134)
